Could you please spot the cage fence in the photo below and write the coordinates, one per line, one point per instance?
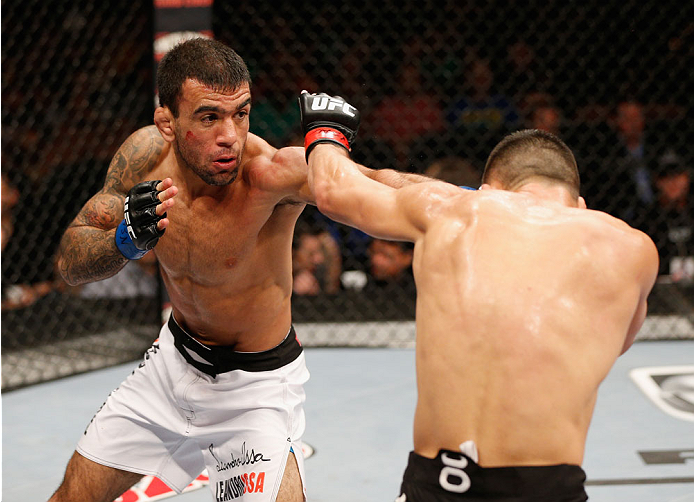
(438, 84)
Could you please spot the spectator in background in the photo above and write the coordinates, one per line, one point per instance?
(316, 260)
(670, 219)
(523, 74)
(546, 116)
(480, 111)
(10, 197)
(353, 73)
(455, 170)
(16, 296)
(630, 123)
(623, 182)
(275, 115)
(390, 265)
(405, 115)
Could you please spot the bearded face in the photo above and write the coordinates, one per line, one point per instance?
(211, 131)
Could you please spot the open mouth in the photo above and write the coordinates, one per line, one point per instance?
(225, 162)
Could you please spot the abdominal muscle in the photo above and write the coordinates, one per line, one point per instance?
(252, 320)
(245, 305)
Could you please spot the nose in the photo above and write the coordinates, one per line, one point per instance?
(226, 134)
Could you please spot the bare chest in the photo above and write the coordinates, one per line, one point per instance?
(207, 242)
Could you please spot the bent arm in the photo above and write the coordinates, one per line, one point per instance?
(87, 250)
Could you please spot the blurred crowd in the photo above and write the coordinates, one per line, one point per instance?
(434, 100)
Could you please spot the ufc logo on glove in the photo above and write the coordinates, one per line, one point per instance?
(327, 119)
(327, 103)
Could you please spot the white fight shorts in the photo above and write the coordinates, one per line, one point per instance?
(188, 407)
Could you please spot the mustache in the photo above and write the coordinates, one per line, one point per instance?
(225, 153)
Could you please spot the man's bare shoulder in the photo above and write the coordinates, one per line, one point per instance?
(259, 152)
(444, 195)
(139, 154)
(281, 171)
(629, 244)
(258, 147)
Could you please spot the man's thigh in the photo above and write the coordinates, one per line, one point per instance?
(88, 481)
(291, 489)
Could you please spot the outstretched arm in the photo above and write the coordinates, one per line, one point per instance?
(328, 119)
(383, 203)
(345, 194)
(88, 250)
(393, 178)
(324, 119)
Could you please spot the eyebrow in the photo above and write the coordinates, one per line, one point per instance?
(217, 109)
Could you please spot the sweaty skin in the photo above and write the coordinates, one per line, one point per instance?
(524, 301)
(231, 201)
(226, 255)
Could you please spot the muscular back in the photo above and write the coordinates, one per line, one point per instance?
(524, 301)
(541, 303)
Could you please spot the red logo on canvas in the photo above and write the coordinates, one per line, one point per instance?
(150, 488)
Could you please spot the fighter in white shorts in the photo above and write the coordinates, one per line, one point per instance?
(229, 396)
(188, 407)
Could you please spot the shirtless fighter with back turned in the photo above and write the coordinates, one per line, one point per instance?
(222, 387)
(525, 299)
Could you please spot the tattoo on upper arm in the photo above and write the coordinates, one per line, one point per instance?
(132, 161)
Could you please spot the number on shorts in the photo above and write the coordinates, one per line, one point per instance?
(454, 472)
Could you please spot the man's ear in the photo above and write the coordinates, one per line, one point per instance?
(582, 203)
(163, 118)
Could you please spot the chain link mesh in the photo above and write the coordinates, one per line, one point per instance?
(438, 84)
(76, 81)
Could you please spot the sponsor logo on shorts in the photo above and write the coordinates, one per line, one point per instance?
(671, 388)
(234, 487)
(247, 457)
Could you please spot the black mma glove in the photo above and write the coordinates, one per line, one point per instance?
(138, 232)
(327, 119)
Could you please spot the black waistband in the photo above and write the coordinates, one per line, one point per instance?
(562, 482)
(215, 359)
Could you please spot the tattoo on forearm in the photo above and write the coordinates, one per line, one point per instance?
(89, 254)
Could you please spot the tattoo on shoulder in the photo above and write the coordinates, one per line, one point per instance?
(134, 159)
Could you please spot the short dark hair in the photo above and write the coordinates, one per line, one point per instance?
(208, 61)
(532, 153)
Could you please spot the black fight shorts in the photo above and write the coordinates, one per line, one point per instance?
(453, 476)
